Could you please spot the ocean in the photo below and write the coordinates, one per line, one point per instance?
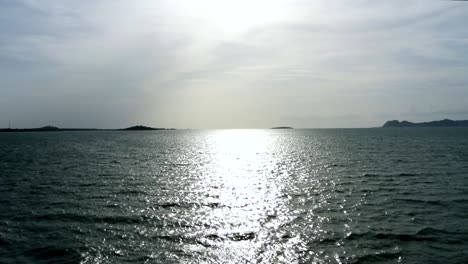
(235, 196)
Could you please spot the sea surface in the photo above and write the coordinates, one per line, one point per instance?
(235, 196)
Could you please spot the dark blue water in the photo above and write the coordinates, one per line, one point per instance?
(235, 196)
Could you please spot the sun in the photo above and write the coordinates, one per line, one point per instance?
(234, 16)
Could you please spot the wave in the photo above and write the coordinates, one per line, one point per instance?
(394, 175)
(335, 166)
(460, 200)
(209, 240)
(409, 174)
(238, 236)
(169, 205)
(377, 257)
(431, 202)
(190, 205)
(424, 234)
(124, 192)
(115, 219)
(173, 238)
(54, 255)
(4, 241)
(242, 236)
(372, 175)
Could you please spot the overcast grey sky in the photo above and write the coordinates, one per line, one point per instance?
(231, 64)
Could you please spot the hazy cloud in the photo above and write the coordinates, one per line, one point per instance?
(210, 64)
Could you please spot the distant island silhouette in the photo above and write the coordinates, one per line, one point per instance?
(40, 129)
(440, 123)
(282, 127)
(57, 129)
(142, 128)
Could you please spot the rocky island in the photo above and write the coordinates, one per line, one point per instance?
(144, 128)
(57, 129)
(440, 123)
(40, 129)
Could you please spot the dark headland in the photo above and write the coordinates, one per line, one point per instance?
(144, 128)
(41, 129)
(57, 129)
(282, 127)
(440, 123)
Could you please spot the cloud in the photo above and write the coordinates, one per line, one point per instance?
(327, 63)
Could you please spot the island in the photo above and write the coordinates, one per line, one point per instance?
(282, 127)
(144, 128)
(40, 129)
(440, 123)
(57, 129)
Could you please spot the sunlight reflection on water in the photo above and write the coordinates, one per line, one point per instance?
(234, 196)
(241, 175)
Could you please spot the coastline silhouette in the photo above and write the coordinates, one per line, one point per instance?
(388, 124)
(440, 123)
(50, 128)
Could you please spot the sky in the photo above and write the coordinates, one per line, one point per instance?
(231, 64)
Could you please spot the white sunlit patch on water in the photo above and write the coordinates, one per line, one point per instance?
(250, 206)
(230, 196)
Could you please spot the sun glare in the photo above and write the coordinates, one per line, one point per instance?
(234, 16)
(238, 156)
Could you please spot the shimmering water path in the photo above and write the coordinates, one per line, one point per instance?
(235, 196)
